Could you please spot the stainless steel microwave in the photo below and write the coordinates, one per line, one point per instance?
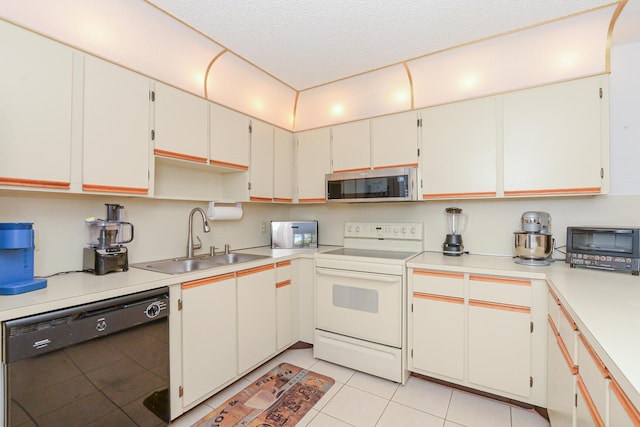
(379, 185)
(608, 248)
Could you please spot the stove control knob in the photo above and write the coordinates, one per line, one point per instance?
(413, 230)
(357, 229)
(395, 229)
(404, 230)
(349, 229)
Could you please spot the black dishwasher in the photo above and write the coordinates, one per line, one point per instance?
(103, 363)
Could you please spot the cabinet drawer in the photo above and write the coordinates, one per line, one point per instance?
(553, 306)
(500, 289)
(438, 283)
(594, 374)
(283, 271)
(568, 332)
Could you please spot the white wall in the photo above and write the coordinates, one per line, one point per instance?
(161, 225)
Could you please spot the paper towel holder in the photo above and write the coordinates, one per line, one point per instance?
(224, 211)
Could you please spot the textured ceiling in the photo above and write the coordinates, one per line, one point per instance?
(308, 43)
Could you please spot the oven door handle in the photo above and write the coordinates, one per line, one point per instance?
(357, 275)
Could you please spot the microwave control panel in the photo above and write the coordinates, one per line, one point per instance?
(604, 262)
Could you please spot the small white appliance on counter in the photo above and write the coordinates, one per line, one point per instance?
(294, 234)
(361, 298)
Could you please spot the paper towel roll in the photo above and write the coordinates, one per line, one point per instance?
(218, 212)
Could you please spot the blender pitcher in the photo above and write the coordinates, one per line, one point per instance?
(453, 241)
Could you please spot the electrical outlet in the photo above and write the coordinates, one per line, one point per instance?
(263, 227)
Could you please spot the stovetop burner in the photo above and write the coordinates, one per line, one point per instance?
(370, 253)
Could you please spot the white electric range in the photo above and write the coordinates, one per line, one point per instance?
(360, 292)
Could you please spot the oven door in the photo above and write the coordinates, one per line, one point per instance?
(361, 305)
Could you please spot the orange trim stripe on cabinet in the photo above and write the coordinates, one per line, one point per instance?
(553, 326)
(595, 415)
(312, 200)
(554, 296)
(35, 183)
(282, 200)
(283, 284)
(440, 298)
(501, 280)
(208, 280)
(255, 270)
(630, 409)
(456, 195)
(114, 189)
(352, 170)
(596, 359)
(567, 316)
(173, 155)
(228, 165)
(438, 274)
(585, 190)
(566, 356)
(403, 165)
(260, 199)
(283, 264)
(499, 306)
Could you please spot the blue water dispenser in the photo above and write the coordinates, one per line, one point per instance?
(16, 259)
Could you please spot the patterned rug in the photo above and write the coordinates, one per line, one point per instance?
(281, 397)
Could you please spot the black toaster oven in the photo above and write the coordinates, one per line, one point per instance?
(607, 248)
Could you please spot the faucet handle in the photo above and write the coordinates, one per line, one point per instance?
(227, 248)
(197, 245)
(212, 250)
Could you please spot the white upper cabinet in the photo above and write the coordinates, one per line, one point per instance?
(459, 150)
(181, 128)
(553, 137)
(394, 140)
(261, 168)
(116, 129)
(282, 166)
(314, 161)
(35, 110)
(229, 138)
(351, 146)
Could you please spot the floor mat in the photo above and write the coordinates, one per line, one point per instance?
(281, 397)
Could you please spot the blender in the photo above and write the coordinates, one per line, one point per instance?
(106, 238)
(452, 245)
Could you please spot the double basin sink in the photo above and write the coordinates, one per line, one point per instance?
(200, 262)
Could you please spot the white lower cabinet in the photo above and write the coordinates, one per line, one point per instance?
(209, 355)
(256, 316)
(284, 305)
(304, 273)
(480, 331)
(438, 315)
(561, 382)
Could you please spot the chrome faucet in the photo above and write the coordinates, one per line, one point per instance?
(205, 225)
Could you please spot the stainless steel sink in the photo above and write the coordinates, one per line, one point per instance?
(201, 262)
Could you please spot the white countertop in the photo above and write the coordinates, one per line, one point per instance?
(71, 289)
(604, 304)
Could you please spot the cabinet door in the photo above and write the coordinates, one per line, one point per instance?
(500, 333)
(304, 280)
(282, 166)
(284, 305)
(436, 328)
(256, 316)
(561, 385)
(586, 413)
(209, 356)
(394, 140)
(261, 170)
(459, 150)
(116, 129)
(622, 412)
(181, 124)
(552, 139)
(229, 138)
(314, 161)
(351, 147)
(500, 347)
(35, 111)
(594, 375)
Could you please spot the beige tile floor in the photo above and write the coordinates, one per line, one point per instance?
(362, 400)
